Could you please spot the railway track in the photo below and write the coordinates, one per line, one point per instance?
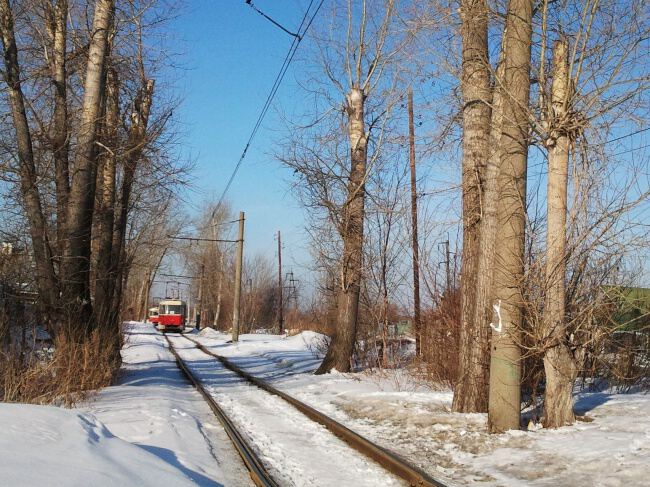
(386, 459)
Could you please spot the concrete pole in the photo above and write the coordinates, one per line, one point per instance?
(238, 271)
(280, 298)
(199, 304)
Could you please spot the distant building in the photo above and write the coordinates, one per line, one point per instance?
(401, 328)
(631, 307)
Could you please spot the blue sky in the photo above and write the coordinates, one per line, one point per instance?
(231, 56)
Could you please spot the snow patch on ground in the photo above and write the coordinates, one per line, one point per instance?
(43, 445)
(398, 412)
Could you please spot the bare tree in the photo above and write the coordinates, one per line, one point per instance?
(358, 59)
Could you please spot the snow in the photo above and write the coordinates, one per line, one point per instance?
(406, 416)
(42, 445)
(297, 451)
(154, 407)
(153, 428)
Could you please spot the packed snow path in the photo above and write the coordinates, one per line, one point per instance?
(154, 407)
(297, 451)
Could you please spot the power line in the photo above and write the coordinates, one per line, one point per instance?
(276, 85)
(631, 150)
(225, 223)
(277, 24)
(178, 276)
(625, 136)
(197, 239)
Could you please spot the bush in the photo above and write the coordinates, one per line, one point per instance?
(69, 375)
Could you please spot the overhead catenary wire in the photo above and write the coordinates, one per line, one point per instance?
(302, 30)
(631, 150)
(625, 136)
(274, 22)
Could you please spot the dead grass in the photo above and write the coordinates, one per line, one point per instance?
(71, 374)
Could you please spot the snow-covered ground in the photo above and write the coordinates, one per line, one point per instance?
(154, 407)
(154, 429)
(405, 416)
(296, 451)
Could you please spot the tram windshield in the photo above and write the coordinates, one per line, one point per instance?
(171, 309)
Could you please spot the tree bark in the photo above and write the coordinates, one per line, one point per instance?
(45, 275)
(471, 388)
(341, 348)
(105, 211)
(76, 262)
(135, 145)
(559, 364)
(60, 136)
(217, 312)
(505, 366)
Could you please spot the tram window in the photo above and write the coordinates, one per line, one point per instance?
(173, 309)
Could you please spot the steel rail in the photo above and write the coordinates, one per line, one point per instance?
(259, 475)
(388, 460)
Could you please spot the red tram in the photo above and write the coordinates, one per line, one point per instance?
(153, 316)
(172, 314)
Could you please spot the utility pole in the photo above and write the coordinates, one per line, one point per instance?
(146, 299)
(280, 300)
(238, 271)
(447, 265)
(199, 314)
(417, 323)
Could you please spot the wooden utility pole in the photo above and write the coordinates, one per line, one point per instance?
(417, 323)
(447, 266)
(280, 299)
(238, 271)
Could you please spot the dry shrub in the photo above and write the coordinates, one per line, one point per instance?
(439, 339)
(317, 320)
(69, 375)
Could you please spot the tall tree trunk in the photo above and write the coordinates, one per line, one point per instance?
(60, 135)
(45, 274)
(483, 309)
(76, 263)
(559, 364)
(470, 391)
(341, 348)
(105, 211)
(505, 366)
(135, 146)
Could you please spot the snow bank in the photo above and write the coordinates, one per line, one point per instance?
(214, 334)
(43, 445)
